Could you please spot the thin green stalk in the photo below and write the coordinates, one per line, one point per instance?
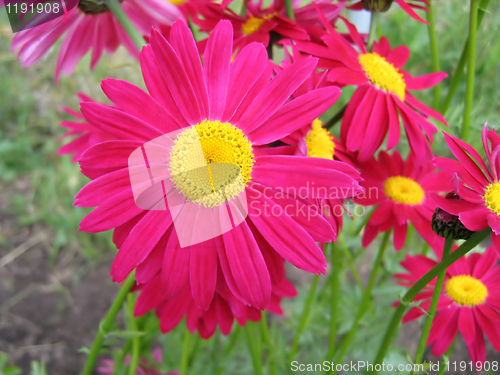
(446, 358)
(107, 323)
(253, 346)
(355, 273)
(338, 116)
(471, 68)
(467, 246)
(115, 8)
(448, 244)
(334, 287)
(196, 345)
(269, 344)
(303, 318)
(186, 344)
(365, 299)
(136, 343)
(289, 9)
(455, 78)
(243, 10)
(434, 51)
(361, 225)
(373, 30)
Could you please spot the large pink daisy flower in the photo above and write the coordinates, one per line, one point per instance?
(382, 94)
(469, 302)
(229, 108)
(91, 25)
(479, 186)
(399, 189)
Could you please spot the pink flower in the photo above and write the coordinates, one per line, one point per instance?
(90, 26)
(240, 102)
(400, 191)
(382, 93)
(469, 302)
(479, 185)
(222, 311)
(107, 366)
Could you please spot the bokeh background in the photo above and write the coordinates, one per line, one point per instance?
(54, 280)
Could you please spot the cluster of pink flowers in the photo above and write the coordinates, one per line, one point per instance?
(209, 242)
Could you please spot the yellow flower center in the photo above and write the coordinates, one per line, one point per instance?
(254, 23)
(383, 74)
(404, 190)
(177, 2)
(466, 290)
(492, 197)
(320, 142)
(211, 163)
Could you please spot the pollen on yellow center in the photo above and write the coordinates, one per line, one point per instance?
(492, 197)
(383, 74)
(253, 24)
(211, 163)
(404, 190)
(320, 142)
(466, 290)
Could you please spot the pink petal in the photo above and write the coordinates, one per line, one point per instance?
(466, 324)
(203, 273)
(175, 268)
(425, 81)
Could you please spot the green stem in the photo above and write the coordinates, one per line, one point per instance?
(243, 10)
(446, 357)
(115, 8)
(289, 9)
(434, 51)
(448, 244)
(365, 299)
(348, 255)
(269, 344)
(455, 79)
(186, 344)
(471, 67)
(338, 116)
(334, 287)
(107, 323)
(253, 346)
(373, 30)
(363, 223)
(136, 344)
(303, 318)
(467, 246)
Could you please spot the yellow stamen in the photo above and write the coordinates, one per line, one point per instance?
(320, 142)
(466, 290)
(492, 197)
(252, 25)
(177, 2)
(211, 163)
(383, 74)
(404, 190)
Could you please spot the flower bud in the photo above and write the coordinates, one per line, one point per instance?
(377, 5)
(447, 225)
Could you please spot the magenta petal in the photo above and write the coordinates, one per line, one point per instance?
(175, 268)
(247, 67)
(275, 93)
(141, 240)
(476, 219)
(454, 207)
(425, 81)
(149, 298)
(217, 60)
(407, 8)
(466, 324)
(295, 115)
(185, 46)
(248, 266)
(151, 265)
(398, 57)
(203, 273)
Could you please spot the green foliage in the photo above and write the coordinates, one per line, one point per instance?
(5, 369)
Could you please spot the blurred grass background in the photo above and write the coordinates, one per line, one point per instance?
(38, 186)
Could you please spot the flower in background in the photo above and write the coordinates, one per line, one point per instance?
(222, 311)
(85, 134)
(469, 302)
(382, 93)
(91, 25)
(107, 366)
(399, 189)
(383, 5)
(478, 187)
(266, 25)
(233, 107)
